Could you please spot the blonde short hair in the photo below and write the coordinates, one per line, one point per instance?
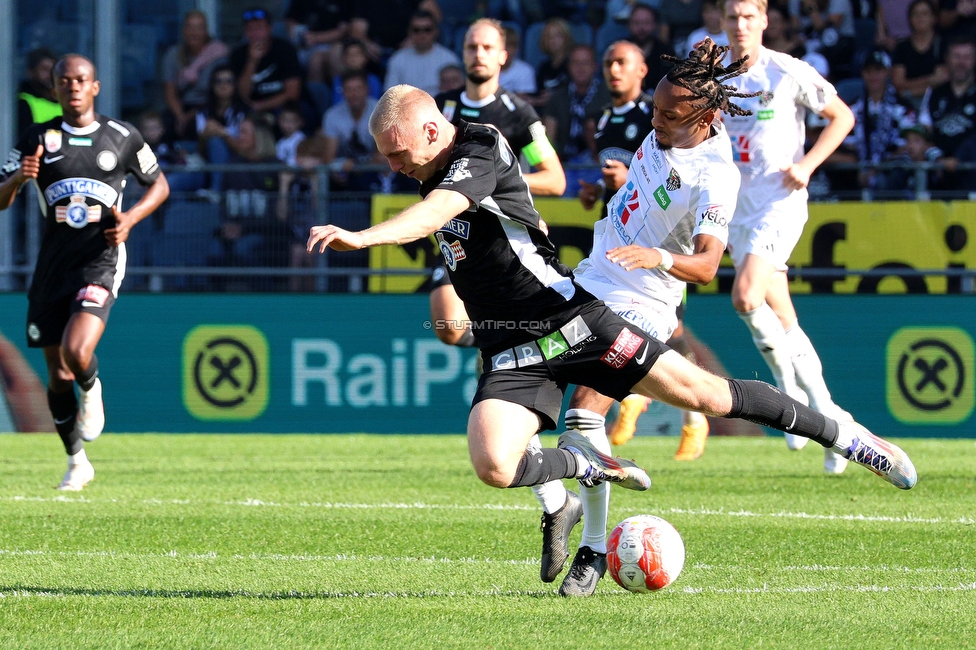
(762, 5)
(398, 105)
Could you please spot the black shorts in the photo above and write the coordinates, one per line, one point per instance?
(596, 348)
(46, 320)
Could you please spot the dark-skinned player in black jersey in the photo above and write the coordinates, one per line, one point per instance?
(618, 133)
(482, 100)
(537, 329)
(79, 163)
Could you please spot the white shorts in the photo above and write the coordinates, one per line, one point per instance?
(772, 237)
(653, 316)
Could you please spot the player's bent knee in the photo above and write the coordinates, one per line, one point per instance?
(493, 475)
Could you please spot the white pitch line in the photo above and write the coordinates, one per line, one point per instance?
(286, 595)
(709, 512)
(352, 557)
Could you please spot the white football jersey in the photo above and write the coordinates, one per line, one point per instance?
(670, 197)
(772, 138)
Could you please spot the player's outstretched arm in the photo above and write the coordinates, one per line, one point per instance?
(28, 168)
(699, 267)
(417, 221)
(125, 221)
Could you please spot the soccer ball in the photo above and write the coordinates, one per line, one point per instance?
(645, 553)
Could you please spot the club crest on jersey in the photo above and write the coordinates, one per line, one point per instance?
(452, 252)
(631, 131)
(106, 160)
(766, 97)
(52, 140)
(674, 181)
(449, 107)
(458, 171)
(640, 152)
(77, 213)
(88, 187)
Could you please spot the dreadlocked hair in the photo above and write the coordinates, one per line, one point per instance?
(703, 74)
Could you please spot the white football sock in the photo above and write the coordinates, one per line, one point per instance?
(596, 500)
(551, 495)
(692, 417)
(770, 339)
(809, 370)
(78, 459)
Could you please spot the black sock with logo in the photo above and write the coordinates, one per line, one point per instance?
(64, 408)
(87, 379)
(764, 404)
(539, 466)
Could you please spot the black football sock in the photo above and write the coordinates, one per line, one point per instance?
(764, 404)
(64, 408)
(539, 466)
(87, 379)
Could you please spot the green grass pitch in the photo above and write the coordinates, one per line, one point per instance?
(356, 541)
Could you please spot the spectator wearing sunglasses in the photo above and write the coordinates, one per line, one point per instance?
(266, 67)
(419, 63)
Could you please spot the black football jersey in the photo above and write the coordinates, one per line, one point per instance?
(620, 131)
(507, 112)
(82, 176)
(503, 267)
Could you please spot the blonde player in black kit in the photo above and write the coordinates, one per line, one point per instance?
(79, 163)
(537, 329)
(484, 101)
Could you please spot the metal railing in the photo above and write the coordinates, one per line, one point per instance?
(252, 239)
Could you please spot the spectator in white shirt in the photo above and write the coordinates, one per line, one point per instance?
(517, 76)
(419, 63)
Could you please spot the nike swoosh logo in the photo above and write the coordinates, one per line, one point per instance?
(89, 303)
(48, 161)
(64, 420)
(643, 355)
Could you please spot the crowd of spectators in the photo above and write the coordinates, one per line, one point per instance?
(299, 88)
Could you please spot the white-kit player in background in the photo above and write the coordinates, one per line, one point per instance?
(768, 143)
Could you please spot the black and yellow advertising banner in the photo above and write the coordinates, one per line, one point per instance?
(896, 237)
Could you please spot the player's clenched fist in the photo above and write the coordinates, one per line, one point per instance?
(333, 237)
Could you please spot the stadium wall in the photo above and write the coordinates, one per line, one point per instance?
(903, 365)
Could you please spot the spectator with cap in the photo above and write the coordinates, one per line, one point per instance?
(266, 67)
(419, 63)
(36, 102)
(917, 60)
(880, 117)
(918, 149)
